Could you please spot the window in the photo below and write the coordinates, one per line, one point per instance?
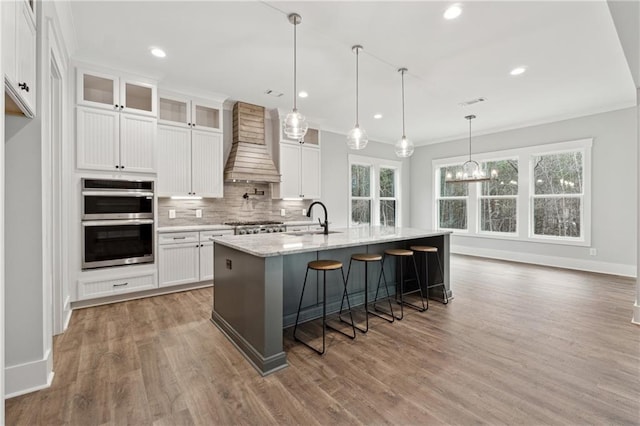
(499, 198)
(558, 194)
(542, 193)
(360, 194)
(452, 199)
(374, 191)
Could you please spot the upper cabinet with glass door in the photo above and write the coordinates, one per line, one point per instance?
(107, 91)
(185, 111)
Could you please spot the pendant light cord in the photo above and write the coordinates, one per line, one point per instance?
(295, 87)
(470, 138)
(357, 118)
(403, 132)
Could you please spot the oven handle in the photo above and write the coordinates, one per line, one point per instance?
(117, 194)
(116, 222)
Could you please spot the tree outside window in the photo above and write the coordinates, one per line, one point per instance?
(452, 199)
(360, 195)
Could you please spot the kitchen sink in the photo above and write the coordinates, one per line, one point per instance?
(302, 233)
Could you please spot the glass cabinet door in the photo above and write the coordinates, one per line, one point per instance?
(174, 111)
(205, 117)
(139, 98)
(98, 90)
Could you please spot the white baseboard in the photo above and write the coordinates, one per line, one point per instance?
(28, 377)
(540, 259)
(66, 313)
(636, 313)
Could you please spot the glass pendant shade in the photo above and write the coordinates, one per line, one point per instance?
(295, 125)
(471, 170)
(357, 138)
(404, 147)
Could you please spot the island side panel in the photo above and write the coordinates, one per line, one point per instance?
(247, 305)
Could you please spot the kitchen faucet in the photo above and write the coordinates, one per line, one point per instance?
(325, 225)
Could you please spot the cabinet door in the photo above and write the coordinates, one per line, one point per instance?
(138, 98)
(206, 261)
(97, 139)
(174, 161)
(205, 115)
(290, 170)
(98, 90)
(9, 15)
(137, 143)
(26, 56)
(178, 263)
(206, 164)
(174, 110)
(310, 172)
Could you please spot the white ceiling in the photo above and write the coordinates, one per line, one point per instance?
(576, 65)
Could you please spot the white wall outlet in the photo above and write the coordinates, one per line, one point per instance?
(282, 212)
(198, 212)
(304, 212)
(593, 252)
(172, 214)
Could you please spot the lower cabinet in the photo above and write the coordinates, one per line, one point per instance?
(91, 288)
(186, 257)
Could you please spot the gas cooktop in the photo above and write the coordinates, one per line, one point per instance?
(254, 223)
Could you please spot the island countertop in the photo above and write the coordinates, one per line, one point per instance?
(267, 245)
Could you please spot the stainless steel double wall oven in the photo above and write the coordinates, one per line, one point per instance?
(117, 222)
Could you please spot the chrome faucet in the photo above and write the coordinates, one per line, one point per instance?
(325, 225)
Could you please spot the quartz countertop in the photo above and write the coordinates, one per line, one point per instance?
(267, 245)
(188, 228)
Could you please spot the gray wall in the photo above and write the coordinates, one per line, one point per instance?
(335, 176)
(614, 187)
(23, 241)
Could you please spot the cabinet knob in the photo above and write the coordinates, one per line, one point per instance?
(189, 124)
(193, 124)
(23, 86)
(117, 167)
(121, 107)
(122, 167)
(117, 106)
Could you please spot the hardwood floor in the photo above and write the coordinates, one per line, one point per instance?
(519, 344)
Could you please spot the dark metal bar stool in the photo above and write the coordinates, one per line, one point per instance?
(426, 250)
(400, 255)
(366, 258)
(324, 266)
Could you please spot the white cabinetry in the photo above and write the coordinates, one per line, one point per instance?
(190, 156)
(116, 124)
(186, 257)
(102, 285)
(300, 168)
(19, 55)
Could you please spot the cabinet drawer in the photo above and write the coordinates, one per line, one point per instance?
(89, 289)
(205, 235)
(178, 237)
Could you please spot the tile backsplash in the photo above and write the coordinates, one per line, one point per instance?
(232, 207)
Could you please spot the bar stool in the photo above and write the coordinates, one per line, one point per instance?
(367, 258)
(426, 250)
(324, 266)
(400, 255)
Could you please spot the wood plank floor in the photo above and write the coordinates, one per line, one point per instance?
(520, 344)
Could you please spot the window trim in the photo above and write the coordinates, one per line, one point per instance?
(376, 164)
(524, 199)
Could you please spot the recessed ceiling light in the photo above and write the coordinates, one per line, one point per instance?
(303, 94)
(518, 70)
(452, 12)
(158, 53)
(377, 116)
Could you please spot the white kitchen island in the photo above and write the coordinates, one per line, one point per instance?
(258, 280)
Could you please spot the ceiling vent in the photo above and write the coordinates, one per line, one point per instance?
(273, 93)
(472, 102)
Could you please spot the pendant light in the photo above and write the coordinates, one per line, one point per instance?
(295, 125)
(471, 171)
(404, 147)
(357, 137)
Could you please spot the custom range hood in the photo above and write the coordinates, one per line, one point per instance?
(249, 160)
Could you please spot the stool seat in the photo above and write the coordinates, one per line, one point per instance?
(425, 249)
(366, 257)
(398, 252)
(325, 265)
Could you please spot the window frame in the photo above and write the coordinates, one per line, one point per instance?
(438, 198)
(480, 197)
(375, 165)
(526, 191)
